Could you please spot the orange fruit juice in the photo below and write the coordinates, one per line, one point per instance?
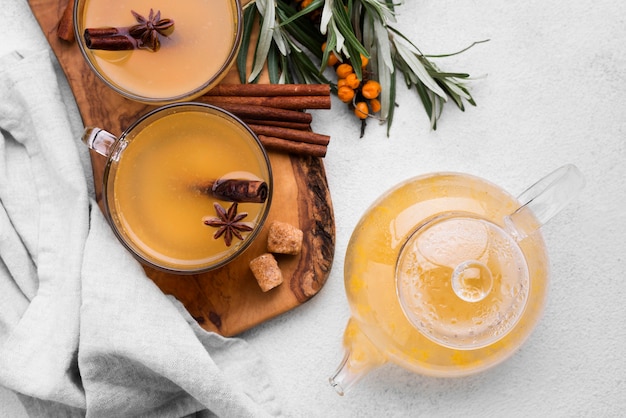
(155, 191)
(370, 275)
(194, 57)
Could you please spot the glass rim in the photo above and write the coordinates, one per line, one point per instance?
(196, 92)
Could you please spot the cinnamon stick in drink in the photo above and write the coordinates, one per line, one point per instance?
(236, 190)
(109, 39)
(144, 35)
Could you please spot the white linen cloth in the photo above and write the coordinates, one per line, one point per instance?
(83, 331)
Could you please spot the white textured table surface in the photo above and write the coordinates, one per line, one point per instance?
(553, 92)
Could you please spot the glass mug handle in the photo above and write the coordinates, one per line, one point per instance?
(99, 140)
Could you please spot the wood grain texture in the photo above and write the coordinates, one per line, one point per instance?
(227, 300)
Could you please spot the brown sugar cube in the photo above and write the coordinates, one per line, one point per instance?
(266, 271)
(284, 238)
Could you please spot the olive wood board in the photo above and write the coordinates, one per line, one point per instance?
(227, 300)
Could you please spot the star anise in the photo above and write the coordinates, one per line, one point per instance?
(147, 31)
(228, 223)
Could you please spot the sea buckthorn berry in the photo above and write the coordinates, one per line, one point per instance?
(352, 81)
(345, 94)
(343, 70)
(341, 82)
(305, 3)
(375, 105)
(364, 61)
(371, 89)
(332, 59)
(361, 110)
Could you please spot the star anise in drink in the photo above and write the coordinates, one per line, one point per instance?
(147, 31)
(228, 223)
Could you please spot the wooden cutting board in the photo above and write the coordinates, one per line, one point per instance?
(227, 300)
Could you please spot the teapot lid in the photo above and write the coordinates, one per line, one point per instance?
(462, 281)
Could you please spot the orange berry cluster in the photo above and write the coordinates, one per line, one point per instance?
(363, 94)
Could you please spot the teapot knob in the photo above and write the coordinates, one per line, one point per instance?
(472, 281)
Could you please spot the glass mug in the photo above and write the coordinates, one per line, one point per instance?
(186, 188)
(446, 274)
(192, 59)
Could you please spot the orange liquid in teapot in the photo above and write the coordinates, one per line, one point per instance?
(202, 40)
(156, 201)
(370, 275)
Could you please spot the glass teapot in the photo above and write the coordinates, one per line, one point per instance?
(446, 274)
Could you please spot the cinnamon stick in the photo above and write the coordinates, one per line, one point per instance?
(280, 123)
(270, 90)
(65, 27)
(236, 190)
(274, 112)
(291, 134)
(263, 112)
(109, 39)
(292, 147)
(280, 102)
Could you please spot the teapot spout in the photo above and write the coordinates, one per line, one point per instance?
(360, 357)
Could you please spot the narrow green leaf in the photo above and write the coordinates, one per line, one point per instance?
(327, 15)
(457, 52)
(342, 20)
(455, 89)
(425, 99)
(392, 100)
(437, 74)
(267, 10)
(384, 46)
(273, 64)
(418, 68)
(316, 4)
(242, 57)
(331, 45)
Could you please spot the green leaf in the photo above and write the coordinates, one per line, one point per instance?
(331, 45)
(418, 68)
(316, 4)
(342, 21)
(273, 64)
(437, 74)
(381, 10)
(457, 52)
(383, 43)
(302, 32)
(242, 57)
(392, 100)
(268, 12)
(425, 98)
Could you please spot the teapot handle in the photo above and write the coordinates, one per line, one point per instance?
(543, 200)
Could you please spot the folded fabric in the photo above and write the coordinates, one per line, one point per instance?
(83, 330)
